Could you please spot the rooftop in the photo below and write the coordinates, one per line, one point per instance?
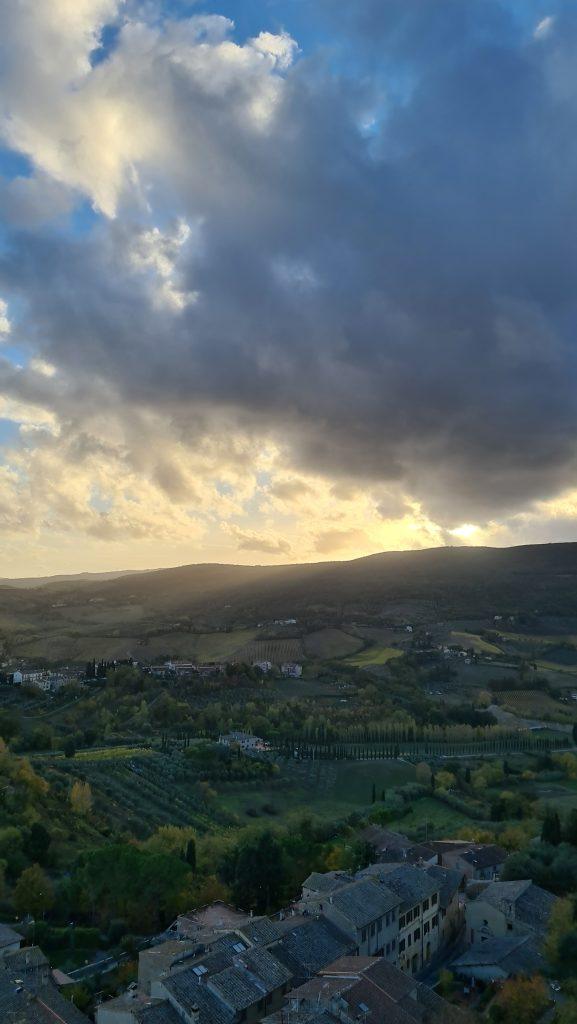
(514, 954)
(485, 856)
(185, 989)
(364, 901)
(528, 903)
(158, 1013)
(260, 931)
(449, 879)
(8, 936)
(307, 947)
(326, 882)
(409, 883)
(217, 915)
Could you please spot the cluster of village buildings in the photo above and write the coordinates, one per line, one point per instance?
(353, 946)
(49, 681)
(43, 679)
(185, 669)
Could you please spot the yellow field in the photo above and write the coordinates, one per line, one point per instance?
(479, 645)
(374, 655)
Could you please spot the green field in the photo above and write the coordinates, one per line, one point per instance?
(329, 789)
(331, 643)
(105, 754)
(479, 645)
(431, 818)
(374, 655)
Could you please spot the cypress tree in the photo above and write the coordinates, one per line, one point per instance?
(551, 830)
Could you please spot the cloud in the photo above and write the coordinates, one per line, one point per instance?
(388, 311)
(336, 540)
(249, 540)
(290, 491)
(544, 27)
(5, 327)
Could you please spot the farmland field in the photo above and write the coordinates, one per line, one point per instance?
(479, 645)
(331, 643)
(374, 655)
(325, 788)
(143, 791)
(275, 651)
(532, 704)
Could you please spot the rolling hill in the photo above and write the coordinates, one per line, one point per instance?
(424, 585)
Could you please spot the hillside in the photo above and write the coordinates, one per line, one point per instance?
(423, 585)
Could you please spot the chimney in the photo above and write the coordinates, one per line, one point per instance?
(194, 1014)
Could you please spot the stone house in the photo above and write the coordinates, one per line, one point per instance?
(418, 920)
(508, 908)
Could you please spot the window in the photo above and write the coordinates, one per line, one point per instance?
(409, 940)
(364, 934)
(426, 905)
(426, 928)
(509, 926)
(402, 946)
(388, 950)
(380, 924)
(373, 928)
(434, 899)
(393, 945)
(435, 921)
(417, 934)
(402, 921)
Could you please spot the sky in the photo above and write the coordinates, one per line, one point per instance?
(285, 280)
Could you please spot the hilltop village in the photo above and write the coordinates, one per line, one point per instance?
(296, 821)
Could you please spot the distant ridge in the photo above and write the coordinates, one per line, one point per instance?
(162, 610)
(27, 583)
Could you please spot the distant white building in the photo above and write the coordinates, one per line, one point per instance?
(291, 669)
(48, 682)
(16, 677)
(265, 666)
(181, 668)
(244, 740)
(285, 622)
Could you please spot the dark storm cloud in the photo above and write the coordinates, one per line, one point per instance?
(396, 299)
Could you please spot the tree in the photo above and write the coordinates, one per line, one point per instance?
(33, 893)
(257, 872)
(570, 830)
(566, 1013)
(38, 843)
(144, 888)
(423, 774)
(170, 839)
(446, 982)
(445, 780)
(560, 924)
(81, 798)
(190, 854)
(69, 747)
(522, 999)
(551, 830)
